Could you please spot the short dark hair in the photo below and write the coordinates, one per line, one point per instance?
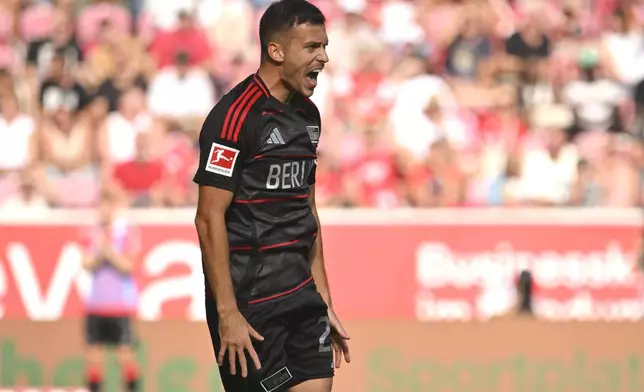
(283, 15)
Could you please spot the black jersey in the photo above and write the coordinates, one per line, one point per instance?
(264, 151)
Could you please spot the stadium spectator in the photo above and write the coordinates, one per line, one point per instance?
(549, 167)
(26, 197)
(229, 26)
(374, 178)
(477, 103)
(471, 47)
(349, 36)
(164, 14)
(531, 41)
(329, 190)
(66, 154)
(594, 98)
(115, 65)
(140, 181)
(187, 37)
(171, 87)
(61, 39)
(117, 135)
(18, 142)
(180, 160)
(59, 89)
(623, 48)
(93, 18)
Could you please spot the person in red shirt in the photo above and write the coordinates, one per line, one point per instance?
(328, 182)
(187, 38)
(141, 180)
(180, 160)
(439, 181)
(502, 124)
(373, 180)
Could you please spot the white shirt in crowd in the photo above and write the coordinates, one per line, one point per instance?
(627, 55)
(548, 179)
(15, 137)
(174, 96)
(121, 135)
(164, 13)
(411, 127)
(399, 24)
(594, 102)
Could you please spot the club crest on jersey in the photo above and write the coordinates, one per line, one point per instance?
(221, 159)
(314, 133)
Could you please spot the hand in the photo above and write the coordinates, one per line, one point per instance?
(105, 245)
(339, 339)
(235, 333)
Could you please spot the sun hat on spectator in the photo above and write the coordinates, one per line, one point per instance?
(551, 117)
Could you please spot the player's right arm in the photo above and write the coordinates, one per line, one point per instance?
(216, 187)
(217, 180)
(211, 229)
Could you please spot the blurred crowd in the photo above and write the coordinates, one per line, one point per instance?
(427, 103)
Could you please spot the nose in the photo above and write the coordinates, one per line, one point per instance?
(323, 57)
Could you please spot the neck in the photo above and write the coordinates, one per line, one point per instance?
(9, 117)
(276, 87)
(128, 115)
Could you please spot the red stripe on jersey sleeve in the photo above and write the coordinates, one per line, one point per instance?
(234, 109)
(245, 114)
(238, 117)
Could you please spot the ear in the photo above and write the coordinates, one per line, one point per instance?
(276, 52)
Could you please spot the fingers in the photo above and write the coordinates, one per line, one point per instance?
(254, 334)
(338, 328)
(237, 352)
(345, 350)
(249, 346)
(242, 361)
(341, 331)
(337, 355)
(222, 353)
(232, 356)
(253, 355)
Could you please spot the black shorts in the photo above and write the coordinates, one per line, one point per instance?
(296, 346)
(108, 330)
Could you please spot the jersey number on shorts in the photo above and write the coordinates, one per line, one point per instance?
(327, 330)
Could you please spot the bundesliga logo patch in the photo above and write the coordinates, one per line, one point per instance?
(221, 160)
(314, 133)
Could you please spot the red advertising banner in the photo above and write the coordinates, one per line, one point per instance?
(409, 271)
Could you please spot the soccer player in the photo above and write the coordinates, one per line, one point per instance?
(268, 304)
(110, 248)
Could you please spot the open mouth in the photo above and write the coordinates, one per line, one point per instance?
(312, 76)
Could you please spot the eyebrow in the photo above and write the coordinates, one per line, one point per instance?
(316, 43)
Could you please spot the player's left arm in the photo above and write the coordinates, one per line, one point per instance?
(317, 256)
(339, 335)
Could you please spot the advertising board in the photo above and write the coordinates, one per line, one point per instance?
(425, 267)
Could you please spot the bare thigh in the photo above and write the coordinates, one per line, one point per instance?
(317, 385)
(125, 354)
(94, 355)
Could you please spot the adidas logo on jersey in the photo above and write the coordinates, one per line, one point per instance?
(275, 137)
